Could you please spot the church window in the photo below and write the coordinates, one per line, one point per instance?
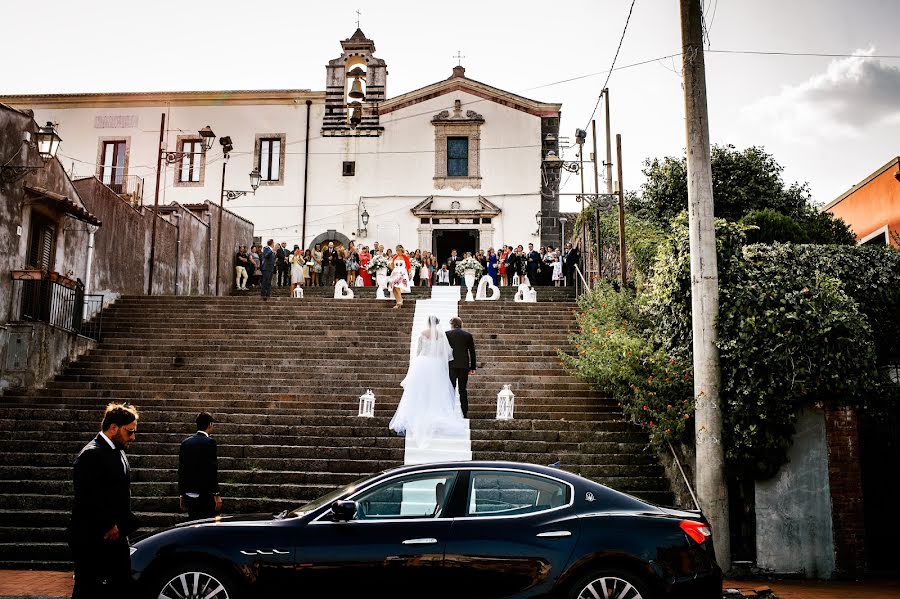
(349, 168)
(457, 156)
(269, 158)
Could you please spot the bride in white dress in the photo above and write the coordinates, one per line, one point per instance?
(428, 407)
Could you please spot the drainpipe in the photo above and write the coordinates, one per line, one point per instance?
(177, 216)
(305, 174)
(208, 251)
(90, 258)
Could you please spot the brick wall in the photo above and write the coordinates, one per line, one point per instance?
(845, 477)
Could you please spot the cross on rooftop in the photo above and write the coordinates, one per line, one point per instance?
(459, 58)
(358, 14)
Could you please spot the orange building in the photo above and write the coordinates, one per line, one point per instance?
(872, 207)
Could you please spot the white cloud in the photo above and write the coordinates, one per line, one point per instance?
(852, 95)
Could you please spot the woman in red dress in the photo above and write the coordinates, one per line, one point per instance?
(364, 257)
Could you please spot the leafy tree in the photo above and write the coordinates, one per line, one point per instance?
(744, 182)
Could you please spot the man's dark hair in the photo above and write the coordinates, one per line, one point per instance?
(455, 323)
(270, 242)
(119, 414)
(204, 419)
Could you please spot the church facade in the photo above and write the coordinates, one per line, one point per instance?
(453, 165)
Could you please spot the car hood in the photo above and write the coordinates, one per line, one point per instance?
(223, 521)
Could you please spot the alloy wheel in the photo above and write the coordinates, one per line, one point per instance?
(194, 585)
(609, 587)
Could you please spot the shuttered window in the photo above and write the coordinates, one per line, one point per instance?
(43, 238)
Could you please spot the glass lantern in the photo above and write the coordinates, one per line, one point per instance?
(367, 404)
(506, 403)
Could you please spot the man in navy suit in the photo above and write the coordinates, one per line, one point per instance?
(101, 513)
(198, 472)
(463, 363)
(268, 269)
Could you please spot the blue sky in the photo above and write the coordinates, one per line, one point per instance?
(828, 120)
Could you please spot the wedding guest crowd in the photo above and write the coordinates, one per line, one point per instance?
(325, 264)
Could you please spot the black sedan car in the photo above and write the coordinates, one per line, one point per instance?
(461, 529)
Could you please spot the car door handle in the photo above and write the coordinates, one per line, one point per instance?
(554, 534)
(422, 541)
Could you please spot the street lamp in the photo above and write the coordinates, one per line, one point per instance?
(229, 194)
(362, 218)
(538, 219)
(562, 226)
(47, 141)
(209, 138)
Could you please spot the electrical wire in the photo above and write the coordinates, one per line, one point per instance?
(613, 66)
(815, 54)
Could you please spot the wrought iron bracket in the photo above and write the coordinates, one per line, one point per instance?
(11, 174)
(233, 194)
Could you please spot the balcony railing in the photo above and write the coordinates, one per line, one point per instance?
(131, 186)
(56, 300)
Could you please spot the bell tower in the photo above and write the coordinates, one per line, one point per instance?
(354, 87)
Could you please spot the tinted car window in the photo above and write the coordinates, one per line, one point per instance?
(510, 493)
(421, 496)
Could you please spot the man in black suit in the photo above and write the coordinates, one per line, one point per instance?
(268, 269)
(570, 261)
(101, 513)
(451, 266)
(198, 472)
(533, 259)
(463, 362)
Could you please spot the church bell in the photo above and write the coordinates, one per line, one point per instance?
(355, 113)
(356, 90)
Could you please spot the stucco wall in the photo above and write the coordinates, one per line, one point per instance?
(118, 262)
(873, 204)
(394, 171)
(793, 509)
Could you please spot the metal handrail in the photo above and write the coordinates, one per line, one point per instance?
(583, 281)
(684, 476)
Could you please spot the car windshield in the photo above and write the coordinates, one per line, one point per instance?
(326, 499)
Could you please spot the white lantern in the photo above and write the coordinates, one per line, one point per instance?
(367, 404)
(506, 403)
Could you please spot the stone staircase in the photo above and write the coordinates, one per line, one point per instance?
(282, 379)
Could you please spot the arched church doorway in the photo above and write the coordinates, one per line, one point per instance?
(461, 240)
(340, 240)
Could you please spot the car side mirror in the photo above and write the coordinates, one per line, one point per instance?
(343, 510)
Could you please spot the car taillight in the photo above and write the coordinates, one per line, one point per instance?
(696, 530)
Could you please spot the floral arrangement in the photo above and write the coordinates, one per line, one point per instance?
(377, 263)
(469, 264)
(414, 264)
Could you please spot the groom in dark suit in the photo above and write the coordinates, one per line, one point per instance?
(101, 514)
(198, 473)
(463, 362)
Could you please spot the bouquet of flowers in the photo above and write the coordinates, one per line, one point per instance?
(376, 263)
(414, 264)
(469, 264)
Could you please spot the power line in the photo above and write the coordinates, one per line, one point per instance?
(818, 54)
(613, 65)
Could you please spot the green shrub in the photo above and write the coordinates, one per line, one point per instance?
(798, 324)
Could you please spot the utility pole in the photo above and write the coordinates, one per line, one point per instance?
(159, 167)
(710, 466)
(609, 185)
(219, 229)
(609, 180)
(597, 208)
(622, 263)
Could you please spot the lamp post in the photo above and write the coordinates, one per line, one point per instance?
(362, 218)
(229, 194)
(207, 135)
